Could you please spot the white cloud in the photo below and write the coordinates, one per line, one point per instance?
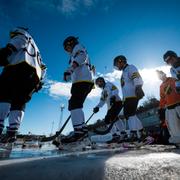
(59, 89)
(89, 3)
(69, 6)
(72, 7)
(151, 83)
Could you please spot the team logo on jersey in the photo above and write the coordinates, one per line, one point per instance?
(122, 81)
(135, 75)
(168, 89)
(113, 88)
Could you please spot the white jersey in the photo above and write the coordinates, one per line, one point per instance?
(108, 91)
(27, 51)
(174, 73)
(82, 73)
(129, 80)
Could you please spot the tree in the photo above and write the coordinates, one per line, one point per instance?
(150, 103)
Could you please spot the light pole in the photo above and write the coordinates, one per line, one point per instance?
(52, 128)
(61, 116)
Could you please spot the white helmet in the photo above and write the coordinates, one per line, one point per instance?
(18, 31)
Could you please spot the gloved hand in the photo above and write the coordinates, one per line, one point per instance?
(66, 74)
(96, 109)
(112, 100)
(139, 92)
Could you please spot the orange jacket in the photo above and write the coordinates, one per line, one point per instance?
(168, 95)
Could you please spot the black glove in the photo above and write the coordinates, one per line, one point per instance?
(66, 74)
(96, 109)
(139, 92)
(112, 100)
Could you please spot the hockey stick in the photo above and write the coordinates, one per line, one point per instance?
(106, 130)
(57, 142)
(50, 138)
(90, 117)
(110, 126)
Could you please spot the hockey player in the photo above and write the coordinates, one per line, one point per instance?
(131, 84)
(22, 75)
(80, 73)
(171, 58)
(170, 101)
(110, 96)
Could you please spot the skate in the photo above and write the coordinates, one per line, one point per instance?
(56, 143)
(8, 138)
(136, 145)
(115, 139)
(77, 135)
(6, 145)
(133, 137)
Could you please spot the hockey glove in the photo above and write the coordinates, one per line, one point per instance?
(66, 75)
(96, 109)
(112, 100)
(139, 92)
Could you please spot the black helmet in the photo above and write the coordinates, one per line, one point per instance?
(120, 58)
(71, 41)
(99, 79)
(169, 54)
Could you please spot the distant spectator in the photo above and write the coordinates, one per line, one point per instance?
(171, 58)
(170, 103)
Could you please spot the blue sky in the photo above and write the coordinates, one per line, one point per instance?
(141, 30)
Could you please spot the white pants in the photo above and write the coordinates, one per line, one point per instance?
(134, 123)
(15, 119)
(77, 117)
(173, 122)
(15, 116)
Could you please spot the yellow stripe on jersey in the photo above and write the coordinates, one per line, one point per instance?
(135, 75)
(113, 88)
(130, 97)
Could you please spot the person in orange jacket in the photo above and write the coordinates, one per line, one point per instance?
(170, 101)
